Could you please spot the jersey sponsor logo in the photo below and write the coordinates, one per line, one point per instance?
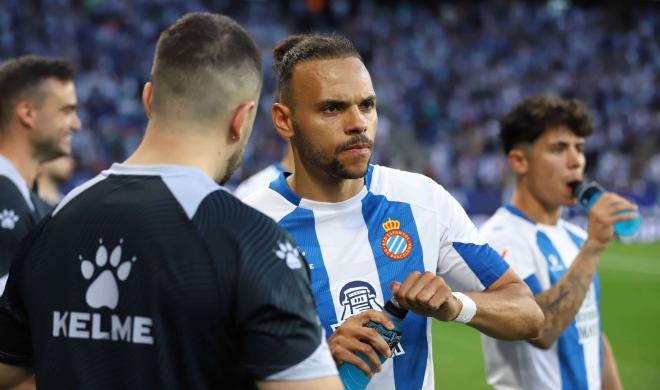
(8, 219)
(358, 296)
(290, 254)
(102, 292)
(555, 264)
(587, 319)
(396, 243)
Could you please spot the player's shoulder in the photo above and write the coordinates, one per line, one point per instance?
(257, 181)
(405, 186)
(275, 200)
(10, 194)
(228, 209)
(574, 229)
(505, 225)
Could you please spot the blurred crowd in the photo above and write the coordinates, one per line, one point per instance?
(443, 73)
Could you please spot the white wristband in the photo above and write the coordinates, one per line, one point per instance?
(469, 308)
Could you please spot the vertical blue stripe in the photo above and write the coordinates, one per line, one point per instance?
(577, 240)
(571, 354)
(369, 176)
(410, 367)
(300, 224)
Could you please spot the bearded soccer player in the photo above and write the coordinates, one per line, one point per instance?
(151, 275)
(544, 138)
(37, 120)
(371, 232)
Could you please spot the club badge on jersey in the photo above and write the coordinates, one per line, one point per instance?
(396, 243)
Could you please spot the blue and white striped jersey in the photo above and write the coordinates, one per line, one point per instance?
(400, 222)
(541, 254)
(259, 180)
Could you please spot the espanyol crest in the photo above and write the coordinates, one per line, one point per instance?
(396, 243)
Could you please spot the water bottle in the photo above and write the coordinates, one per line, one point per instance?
(351, 376)
(587, 193)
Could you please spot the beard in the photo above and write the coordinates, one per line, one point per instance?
(312, 155)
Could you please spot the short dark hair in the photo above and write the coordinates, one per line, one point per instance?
(296, 49)
(528, 120)
(23, 75)
(193, 52)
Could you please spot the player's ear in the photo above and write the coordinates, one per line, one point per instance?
(26, 114)
(239, 120)
(518, 161)
(147, 95)
(282, 121)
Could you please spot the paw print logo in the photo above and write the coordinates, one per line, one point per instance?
(287, 252)
(8, 219)
(104, 291)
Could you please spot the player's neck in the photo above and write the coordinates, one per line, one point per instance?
(21, 155)
(186, 147)
(287, 162)
(312, 184)
(534, 209)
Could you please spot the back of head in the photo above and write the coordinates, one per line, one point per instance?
(204, 65)
(21, 78)
(527, 121)
(297, 49)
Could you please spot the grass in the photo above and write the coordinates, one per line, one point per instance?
(630, 294)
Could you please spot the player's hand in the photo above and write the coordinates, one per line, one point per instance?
(603, 216)
(352, 337)
(428, 295)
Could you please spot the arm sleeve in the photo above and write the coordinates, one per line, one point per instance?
(276, 310)
(280, 337)
(465, 260)
(517, 253)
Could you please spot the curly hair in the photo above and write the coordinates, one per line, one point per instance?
(528, 120)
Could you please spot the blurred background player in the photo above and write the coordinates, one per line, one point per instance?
(52, 175)
(544, 140)
(152, 275)
(368, 229)
(37, 120)
(263, 178)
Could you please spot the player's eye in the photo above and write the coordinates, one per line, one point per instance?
(332, 107)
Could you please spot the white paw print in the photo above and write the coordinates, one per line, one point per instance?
(8, 219)
(288, 252)
(104, 290)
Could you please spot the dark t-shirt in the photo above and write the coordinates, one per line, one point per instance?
(156, 277)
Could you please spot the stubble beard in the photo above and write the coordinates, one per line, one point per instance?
(314, 156)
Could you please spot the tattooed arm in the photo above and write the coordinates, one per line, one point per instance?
(561, 302)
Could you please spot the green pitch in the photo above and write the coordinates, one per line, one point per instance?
(630, 289)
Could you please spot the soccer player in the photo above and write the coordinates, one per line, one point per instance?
(543, 138)
(151, 275)
(37, 120)
(263, 178)
(370, 232)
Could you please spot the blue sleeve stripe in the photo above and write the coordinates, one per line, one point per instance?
(533, 283)
(486, 264)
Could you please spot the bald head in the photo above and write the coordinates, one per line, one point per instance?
(205, 64)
